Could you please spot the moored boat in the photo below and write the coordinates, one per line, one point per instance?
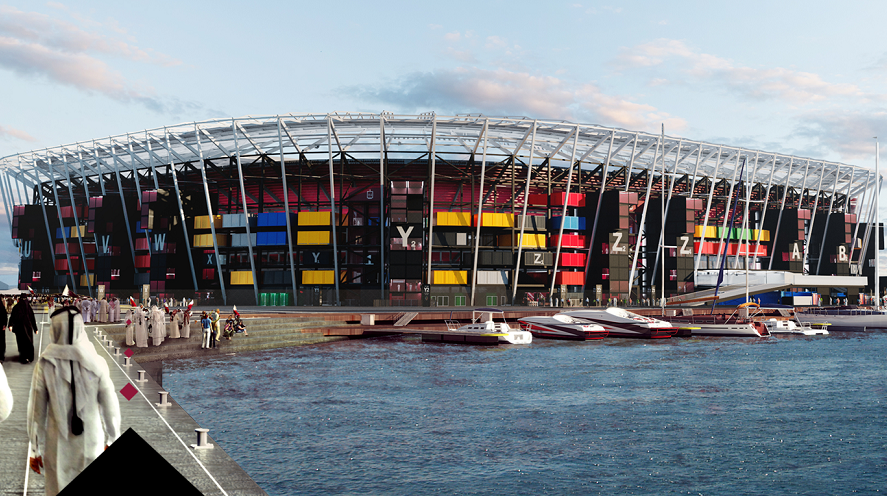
(791, 327)
(483, 323)
(847, 318)
(562, 326)
(621, 323)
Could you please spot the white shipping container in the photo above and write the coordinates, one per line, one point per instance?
(492, 277)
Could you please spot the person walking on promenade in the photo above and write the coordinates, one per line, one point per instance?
(175, 323)
(24, 326)
(73, 410)
(103, 310)
(5, 395)
(216, 318)
(206, 325)
(141, 327)
(186, 322)
(157, 325)
(4, 317)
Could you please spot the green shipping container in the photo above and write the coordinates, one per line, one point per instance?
(263, 299)
(283, 299)
(273, 299)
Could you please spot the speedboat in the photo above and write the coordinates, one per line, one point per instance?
(722, 325)
(483, 323)
(847, 318)
(624, 324)
(562, 326)
(791, 327)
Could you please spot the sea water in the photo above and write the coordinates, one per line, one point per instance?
(779, 415)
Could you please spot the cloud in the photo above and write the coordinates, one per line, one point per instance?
(15, 133)
(36, 45)
(796, 87)
(848, 133)
(503, 92)
(455, 36)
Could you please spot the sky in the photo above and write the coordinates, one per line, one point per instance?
(806, 78)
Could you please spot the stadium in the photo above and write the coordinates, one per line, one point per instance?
(426, 210)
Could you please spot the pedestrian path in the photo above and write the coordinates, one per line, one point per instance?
(169, 430)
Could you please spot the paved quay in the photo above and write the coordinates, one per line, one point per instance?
(168, 430)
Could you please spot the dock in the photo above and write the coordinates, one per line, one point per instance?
(169, 430)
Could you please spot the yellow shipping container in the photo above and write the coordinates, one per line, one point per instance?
(87, 282)
(450, 276)
(202, 222)
(206, 240)
(314, 218)
(454, 218)
(241, 277)
(492, 219)
(77, 232)
(313, 238)
(530, 240)
(710, 232)
(318, 277)
(765, 235)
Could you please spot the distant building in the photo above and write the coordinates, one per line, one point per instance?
(371, 209)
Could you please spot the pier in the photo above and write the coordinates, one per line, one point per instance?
(169, 430)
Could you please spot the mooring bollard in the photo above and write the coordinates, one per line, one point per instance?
(126, 362)
(201, 439)
(116, 351)
(141, 376)
(163, 401)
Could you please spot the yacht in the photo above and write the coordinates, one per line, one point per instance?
(791, 327)
(483, 323)
(562, 326)
(725, 324)
(847, 318)
(624, 324)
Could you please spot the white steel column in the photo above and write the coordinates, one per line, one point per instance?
(58, 209)
(249, 239)
(151, 162)
(878, 222)
(726, 232)
(132, 250)
(597, 212)
(329, 142)
(77, 222)
(828, 219)
(637, 245)
(788, 176)
(480, 205)
(667, 207)
(383, 241)
(764, 207)
(812, 219)
(175, 182)
(210, 213)
(564, 211)
(431, 197)
(286, 206)
(99, 167)
(520, 242)
(858, 215)
(42, 197)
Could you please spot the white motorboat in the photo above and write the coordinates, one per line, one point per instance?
(734, 324)
(622, 323)
(791, 327)
(483, 323)
(845, 318)
(562, 326)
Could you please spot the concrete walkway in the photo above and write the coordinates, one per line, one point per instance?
(169, 430)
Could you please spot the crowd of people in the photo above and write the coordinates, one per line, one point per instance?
(73, 413)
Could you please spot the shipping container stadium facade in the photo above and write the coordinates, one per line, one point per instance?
(385, 209)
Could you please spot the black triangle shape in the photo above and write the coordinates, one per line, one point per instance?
(130, 466)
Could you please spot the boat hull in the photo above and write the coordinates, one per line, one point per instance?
(550, 328)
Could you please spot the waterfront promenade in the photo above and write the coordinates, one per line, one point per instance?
(168, 430)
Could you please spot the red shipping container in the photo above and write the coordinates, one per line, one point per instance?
(572, 260)
(570, 241)
(569, 278)
(143, 261)
(61, 264)
(574, 199)
(538, 200)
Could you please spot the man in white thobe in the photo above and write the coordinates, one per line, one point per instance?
(73, 411)
(5, 395)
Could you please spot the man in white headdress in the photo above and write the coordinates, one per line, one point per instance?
(114, 310)
(73, 410)
(5, 395)
(157, 325)
(103, 310)
(141, 328)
